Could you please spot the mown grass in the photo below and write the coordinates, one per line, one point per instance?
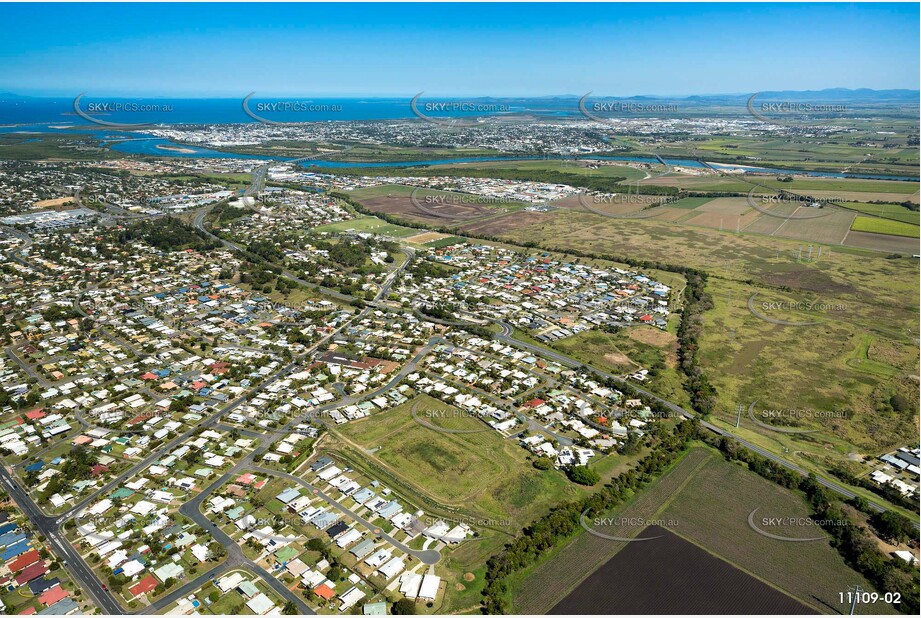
(368, 224)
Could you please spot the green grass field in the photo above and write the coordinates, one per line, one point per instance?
(803, 184)
(481, 472)
(368, 224)
(749, 359)
(886, 211)
(481, 477)
(690, 203)
(885, 226)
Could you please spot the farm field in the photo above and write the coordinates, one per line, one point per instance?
(717, 520)
(700, 526)
(396, 200)
(723, 214)
(540, 588)
(895, 244)
(885, 226)
(803, 152)
(669, 572)
(887, 211)
(747, 357)
(810, 185)
(830, 229)
(689, 203)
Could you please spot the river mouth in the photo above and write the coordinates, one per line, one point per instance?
(142, 144)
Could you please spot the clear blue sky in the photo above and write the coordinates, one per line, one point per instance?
(482, 49)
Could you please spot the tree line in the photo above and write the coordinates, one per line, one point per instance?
(564, 520)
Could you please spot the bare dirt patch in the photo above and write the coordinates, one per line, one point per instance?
(504, 224)
(617, 358)
(421, 239)
(808, 279)
(54, 203)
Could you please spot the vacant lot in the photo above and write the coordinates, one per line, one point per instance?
(480, 472)
(368, 224)
(424, 237)
(631, 349)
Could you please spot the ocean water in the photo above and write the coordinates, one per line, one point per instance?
(21, 110)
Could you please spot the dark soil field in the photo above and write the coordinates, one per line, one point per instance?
(669, 575)
(883, 242)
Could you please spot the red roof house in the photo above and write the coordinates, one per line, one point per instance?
(34, 415)
(145, 585)
(53, 595)
(324, 592)
(30, 557)
(31, 572)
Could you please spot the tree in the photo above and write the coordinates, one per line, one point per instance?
(899, 403)
(290, 608)
(893, 526)
(542, 463)
(403, 607)
(583, 475)
(217, 550)
(316, 545)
